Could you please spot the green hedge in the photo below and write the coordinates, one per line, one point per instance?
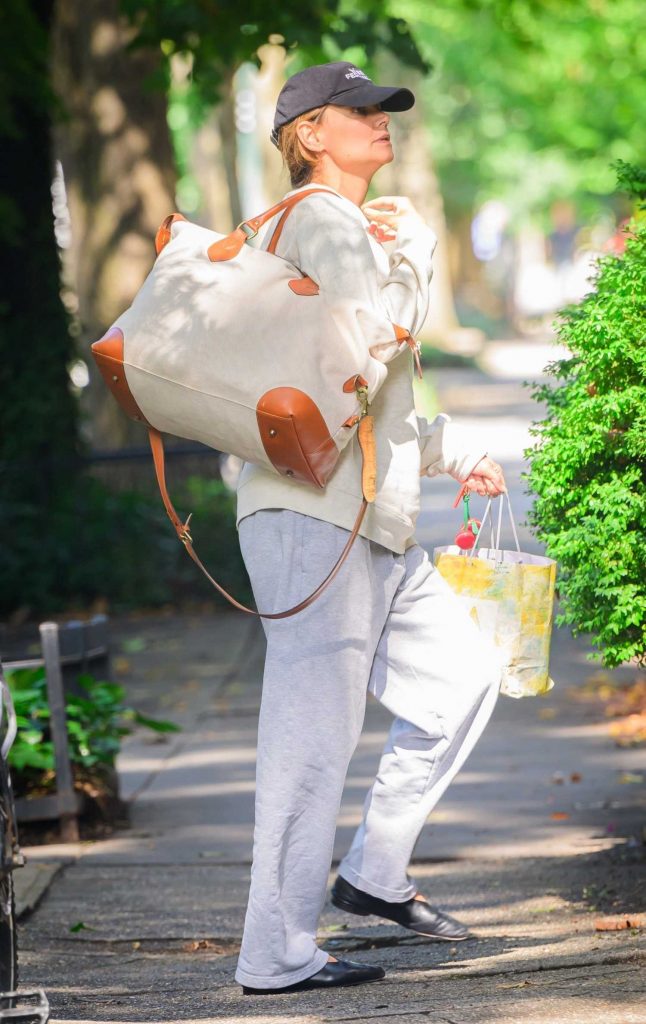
(588, 467)
(120, 547)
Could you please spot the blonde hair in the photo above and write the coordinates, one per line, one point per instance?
(299, 160)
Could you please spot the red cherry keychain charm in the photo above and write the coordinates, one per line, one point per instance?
(466, 536)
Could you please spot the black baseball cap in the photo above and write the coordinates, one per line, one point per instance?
(339, 82)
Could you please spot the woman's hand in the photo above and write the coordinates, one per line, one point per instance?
(486, 479)
(388, 214)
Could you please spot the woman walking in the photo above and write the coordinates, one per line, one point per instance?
(389, 624)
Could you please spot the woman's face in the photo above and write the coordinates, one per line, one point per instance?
(356, 139)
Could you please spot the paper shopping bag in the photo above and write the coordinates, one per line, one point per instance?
(510, 596)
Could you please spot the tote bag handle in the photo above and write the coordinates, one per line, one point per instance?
(496, 543)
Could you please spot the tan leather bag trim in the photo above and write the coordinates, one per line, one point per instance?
(163, 235)
(227, 248)
(352, 383)
(304, 286)
(402, 334)
(108, 353)
(295, 436)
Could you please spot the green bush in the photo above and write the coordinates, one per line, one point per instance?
(588, 467)
(118, 546)
(96, 724)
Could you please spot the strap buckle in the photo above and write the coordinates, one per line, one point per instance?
(246, 228)
(185, 534)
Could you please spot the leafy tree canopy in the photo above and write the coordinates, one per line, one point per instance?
(533, 99)
(221, 36)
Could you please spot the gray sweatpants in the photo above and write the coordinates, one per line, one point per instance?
(389, 624)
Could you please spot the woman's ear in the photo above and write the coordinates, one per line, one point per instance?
(307, 133)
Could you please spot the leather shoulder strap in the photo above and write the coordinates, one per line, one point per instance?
(182, 529)
(278, 230)
(228, 247)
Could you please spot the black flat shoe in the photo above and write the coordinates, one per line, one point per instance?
(416, 915)
(332, 975)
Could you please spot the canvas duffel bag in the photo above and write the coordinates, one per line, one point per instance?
(233, 346)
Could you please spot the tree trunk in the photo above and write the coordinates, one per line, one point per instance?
(225, 113)
(39, 448)
(207, 164)
(270, 81)
(412, 174)
(117, 158)
(38, 412)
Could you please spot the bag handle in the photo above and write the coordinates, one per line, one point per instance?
(228, 247)
(496, 546)
(183, 532)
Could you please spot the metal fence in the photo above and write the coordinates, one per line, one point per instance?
(131, 469)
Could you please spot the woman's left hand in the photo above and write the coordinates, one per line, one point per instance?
(486, 479)
(387, 213)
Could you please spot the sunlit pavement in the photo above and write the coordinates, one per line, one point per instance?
(538, 835)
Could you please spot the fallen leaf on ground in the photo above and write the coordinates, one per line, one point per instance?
(133, 645)
(559, 815)
(629, 731)
(201, 944)
(628, 778)
(620, 922)
(575, 776)
(629, 698)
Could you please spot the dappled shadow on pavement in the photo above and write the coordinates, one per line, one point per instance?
(161, 945)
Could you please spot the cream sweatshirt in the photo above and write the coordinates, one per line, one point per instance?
(326, 237)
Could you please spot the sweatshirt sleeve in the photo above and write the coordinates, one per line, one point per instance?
(411, 270)
(447, 447)
(329, 242)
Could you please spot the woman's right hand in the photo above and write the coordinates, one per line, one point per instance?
(486, 479)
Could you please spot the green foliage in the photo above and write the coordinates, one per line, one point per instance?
(35, 343)
(24, 73)
(96, 724)
(631, 179)
(531, 101)
(220, 42)
(528, 101)
(118, 546)
(38, 412)
(588, 468)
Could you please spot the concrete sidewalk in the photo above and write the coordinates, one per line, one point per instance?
(538, 839)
